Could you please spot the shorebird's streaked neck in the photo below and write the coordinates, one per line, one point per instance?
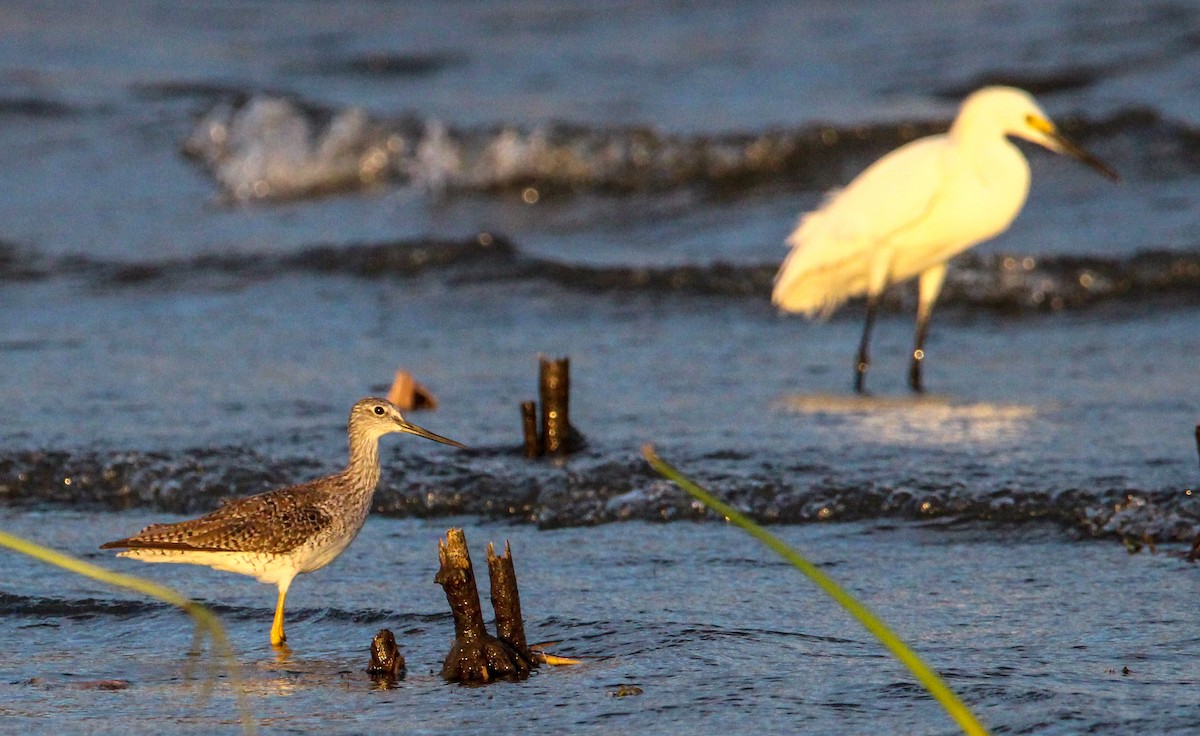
(363, 468)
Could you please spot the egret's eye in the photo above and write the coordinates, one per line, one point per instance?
(378, 411)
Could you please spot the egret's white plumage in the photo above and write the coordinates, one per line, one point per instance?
(914, 209)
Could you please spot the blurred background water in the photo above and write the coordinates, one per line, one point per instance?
(220, 224)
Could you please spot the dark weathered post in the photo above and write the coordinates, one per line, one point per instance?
(506, 600)
(554, 387)
(475, 656)
(529, 428)
(387, 663)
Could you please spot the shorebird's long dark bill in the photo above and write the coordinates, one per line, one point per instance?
(1071, 149)
(418, 431)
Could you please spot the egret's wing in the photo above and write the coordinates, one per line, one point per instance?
(274, 522)
(835, 247)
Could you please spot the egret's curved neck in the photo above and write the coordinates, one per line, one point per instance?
(969, 131)
(986, 149)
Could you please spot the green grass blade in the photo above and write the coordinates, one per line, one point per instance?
(206, 620)
(927, 677)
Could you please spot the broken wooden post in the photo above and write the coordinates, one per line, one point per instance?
(408, 395)
(554, 392)
(529, 428)
(506, 600)
(475, 656)
(387, 663)
(558, 437)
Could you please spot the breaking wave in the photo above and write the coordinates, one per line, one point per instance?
(268, 147)
(593, 488)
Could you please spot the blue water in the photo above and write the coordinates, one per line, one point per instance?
(983, 520)
(1032, 629)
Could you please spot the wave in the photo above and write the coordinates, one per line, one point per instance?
(599, 489)
(272, 147)
(74, 608)
(1001, 283)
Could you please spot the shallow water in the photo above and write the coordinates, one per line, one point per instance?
(179, 329)
(760, 651)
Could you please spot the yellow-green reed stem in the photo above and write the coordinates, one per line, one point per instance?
(927, 677)
(206, 620)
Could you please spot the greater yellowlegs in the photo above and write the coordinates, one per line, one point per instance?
(277, 535)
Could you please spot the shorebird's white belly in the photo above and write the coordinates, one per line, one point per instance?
(266, 568)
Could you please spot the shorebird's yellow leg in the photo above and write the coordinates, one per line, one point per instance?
(277, 635)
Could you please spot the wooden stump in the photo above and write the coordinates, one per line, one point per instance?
(475, 656)
(408, 395)
(529, 429)
(387, 663)
(554, 392)
(558, 436)
(506, 600)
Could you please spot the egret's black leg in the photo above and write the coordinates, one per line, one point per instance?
(918, 355)
(928, 288)
(860, 365)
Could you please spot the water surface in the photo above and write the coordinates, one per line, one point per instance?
(222, 225)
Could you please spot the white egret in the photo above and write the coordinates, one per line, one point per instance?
(912, 210)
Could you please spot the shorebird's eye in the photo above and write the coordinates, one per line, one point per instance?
(378, 411)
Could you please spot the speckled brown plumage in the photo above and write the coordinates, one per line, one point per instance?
(277, 535)
(295, 516)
